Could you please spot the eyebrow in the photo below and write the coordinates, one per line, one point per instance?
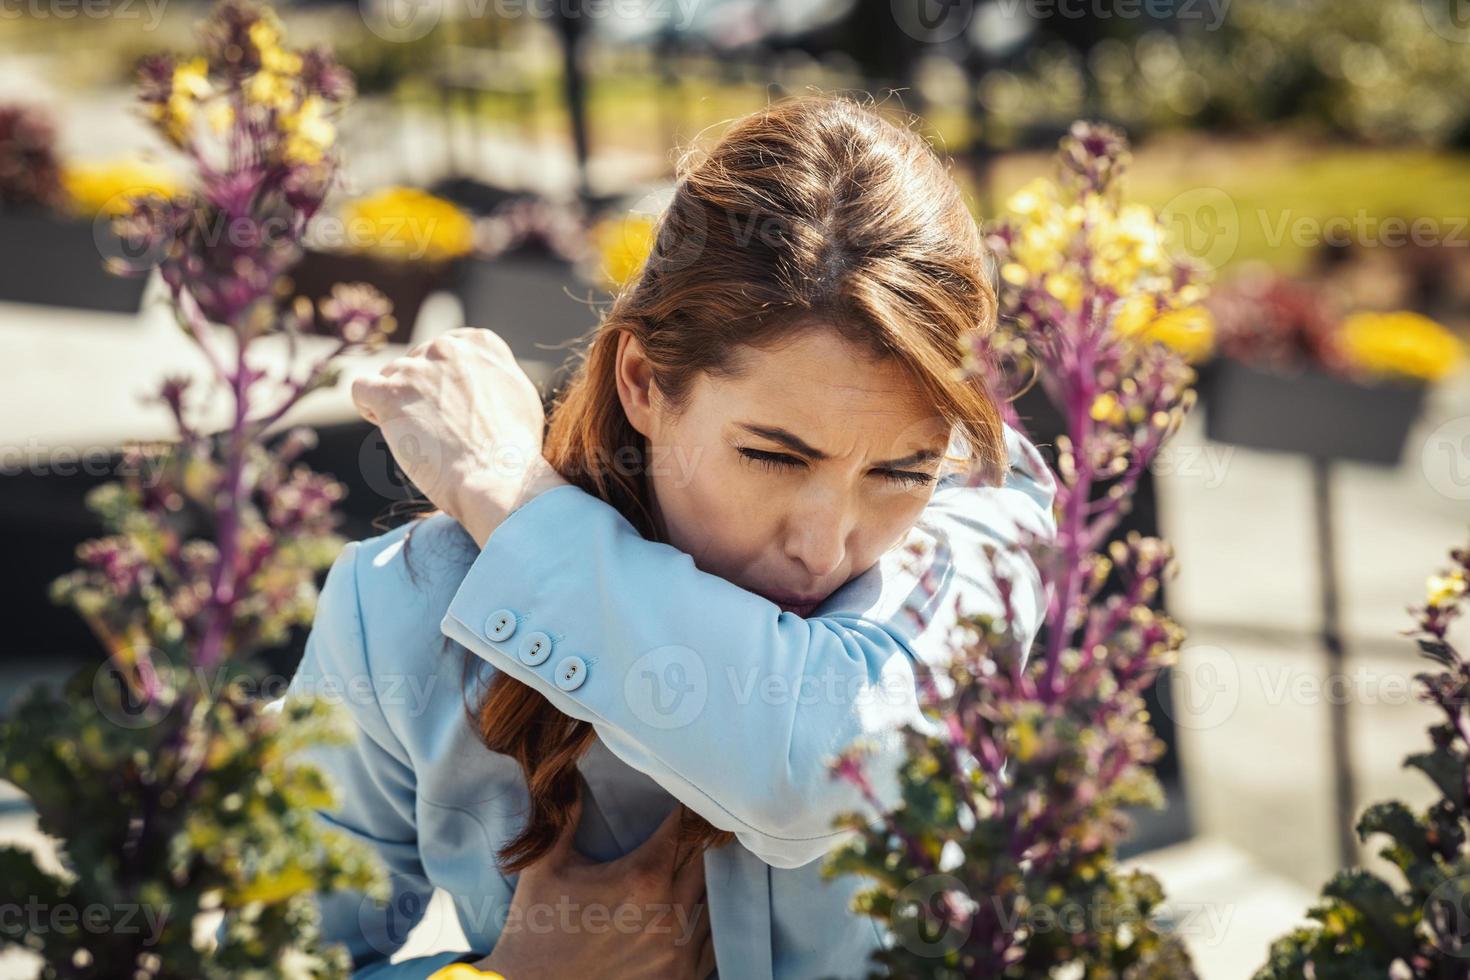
(797, 444)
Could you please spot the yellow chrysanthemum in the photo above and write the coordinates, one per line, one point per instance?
(1402, 343)
(109, 188)
(623, 246)
(407, 223)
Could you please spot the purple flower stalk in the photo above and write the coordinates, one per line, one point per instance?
(1010, 805)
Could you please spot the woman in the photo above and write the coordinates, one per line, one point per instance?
(697, 588)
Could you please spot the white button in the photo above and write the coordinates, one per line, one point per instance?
(570, 673)
(535, 648)
(501, 625)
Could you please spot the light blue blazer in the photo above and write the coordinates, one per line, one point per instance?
(699, 691)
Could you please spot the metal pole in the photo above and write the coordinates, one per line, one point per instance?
(1344, 792)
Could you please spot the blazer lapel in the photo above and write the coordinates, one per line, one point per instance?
(739, 888)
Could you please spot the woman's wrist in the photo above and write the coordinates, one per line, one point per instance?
(483, 509)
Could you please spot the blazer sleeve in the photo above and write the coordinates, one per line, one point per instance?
(734, 706)
(375, 788)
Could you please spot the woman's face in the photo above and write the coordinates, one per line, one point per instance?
(797, 474)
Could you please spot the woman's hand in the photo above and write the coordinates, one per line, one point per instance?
(637, 916)
(464, 424)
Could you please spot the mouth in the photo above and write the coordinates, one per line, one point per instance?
(801, 605)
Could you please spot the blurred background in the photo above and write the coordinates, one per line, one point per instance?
(1315, 155)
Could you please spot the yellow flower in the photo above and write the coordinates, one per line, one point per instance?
(109, 188)
(1445, 589)
(277, 887)
(1189, 330)
(463, 971)
(1067, 287)
(265, 33)
(280, 61)
(1014, 273)
(410, 224)
(220, 116)
(271, 90)
(1071, 243)
(1127, 248)
(190, 86)
(1105, 408)
(309, 133)
(1032, 199)
(1402, 343)
(1025, 739)
(272, 86)
(624, 245)
(191, 79)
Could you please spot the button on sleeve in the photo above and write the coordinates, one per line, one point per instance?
(501, 624)
(535, 648)
(570, 673)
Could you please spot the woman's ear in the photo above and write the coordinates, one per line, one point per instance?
(635, 383)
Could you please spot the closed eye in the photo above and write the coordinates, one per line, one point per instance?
(768, 460)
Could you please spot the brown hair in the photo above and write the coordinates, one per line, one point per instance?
(816, 208)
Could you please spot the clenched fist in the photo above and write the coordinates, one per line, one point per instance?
(643, 915)
(465, 424)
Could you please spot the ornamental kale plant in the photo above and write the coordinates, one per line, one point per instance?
(1365, 926)
(167, 782)
(999, 860)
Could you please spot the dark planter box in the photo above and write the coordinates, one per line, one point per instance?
(56, 260)
(406, 284)
(475, 196)
(532, 298)
(1311, 412)
(481, 198)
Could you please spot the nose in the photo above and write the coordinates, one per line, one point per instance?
(817, 533)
